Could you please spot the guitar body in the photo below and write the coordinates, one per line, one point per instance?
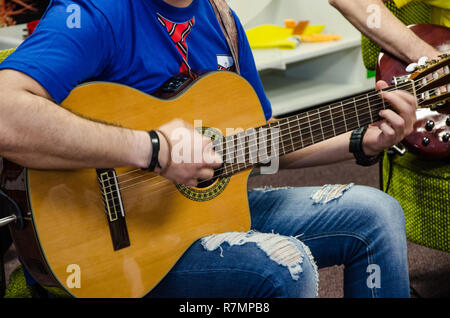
(425, 141)
(67, 212)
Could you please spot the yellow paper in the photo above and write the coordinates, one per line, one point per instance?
(313, 29)
(271, 36)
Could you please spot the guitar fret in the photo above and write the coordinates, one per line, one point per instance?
(370, 110)
(337, 119)
(300, 134)
(282, 141)
(263, 143)
(310, 129)
(376, 104)
(327, 123)
(343, 116)
(320, 122)
(302, 130)
(229, 148)
(290, 134)
(251, 136)
(240, 148)
(350, 116)
(332, 120)
(356, 111)
(361, 105)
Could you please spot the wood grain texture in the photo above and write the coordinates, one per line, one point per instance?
(69, 214)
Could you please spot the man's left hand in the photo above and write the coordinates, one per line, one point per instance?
(395, 126)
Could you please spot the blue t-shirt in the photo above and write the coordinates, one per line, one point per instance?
(139, 43)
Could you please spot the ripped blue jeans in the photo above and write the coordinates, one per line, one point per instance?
(295, 231)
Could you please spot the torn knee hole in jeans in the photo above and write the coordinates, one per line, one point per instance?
(280, 249)
(270, 188)
(330, 192)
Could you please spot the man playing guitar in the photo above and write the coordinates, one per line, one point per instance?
(142, 43)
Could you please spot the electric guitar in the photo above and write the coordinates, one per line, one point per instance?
(118, 232)
(431, 136)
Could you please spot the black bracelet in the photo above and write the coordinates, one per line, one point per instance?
(155, 151)
(357, 149)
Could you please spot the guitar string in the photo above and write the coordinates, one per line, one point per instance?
(238, 165)
(353, 101)
(313, 122)
(225, 174)
(288, 130)
(163, 180)
(391, 88)
(307, 115)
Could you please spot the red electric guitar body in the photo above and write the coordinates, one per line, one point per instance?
(431, 136)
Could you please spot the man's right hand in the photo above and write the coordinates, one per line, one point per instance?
(189, 157)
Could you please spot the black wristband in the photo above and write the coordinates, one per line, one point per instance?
(154, 138)
(356, 148)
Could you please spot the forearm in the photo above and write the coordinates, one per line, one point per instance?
(39, 134)
(327, 152)
(392, 35)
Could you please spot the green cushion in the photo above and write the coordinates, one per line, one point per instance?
(422, 188)
(17, 287)
(5, 53)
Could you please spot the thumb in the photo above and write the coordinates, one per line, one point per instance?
(381, 85)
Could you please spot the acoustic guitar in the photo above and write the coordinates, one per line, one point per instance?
(431, 136)
(118, 232)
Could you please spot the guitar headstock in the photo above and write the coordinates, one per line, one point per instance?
(432, 83)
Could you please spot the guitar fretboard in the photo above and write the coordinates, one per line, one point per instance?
(248, 148)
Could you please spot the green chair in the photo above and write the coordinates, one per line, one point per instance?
(422, 189)
(5, 53)
(421, 186)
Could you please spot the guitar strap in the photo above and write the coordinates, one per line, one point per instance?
(228, 25)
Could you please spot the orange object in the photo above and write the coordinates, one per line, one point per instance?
(320, 37)
(289, 23)
(300, 28)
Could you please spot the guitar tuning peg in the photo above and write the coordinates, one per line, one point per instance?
(423, 61)
(412, 67)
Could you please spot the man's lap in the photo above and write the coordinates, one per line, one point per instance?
(331, 215)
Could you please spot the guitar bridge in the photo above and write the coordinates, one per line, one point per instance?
(109, 187)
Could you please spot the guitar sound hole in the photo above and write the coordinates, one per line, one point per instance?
(202, 184)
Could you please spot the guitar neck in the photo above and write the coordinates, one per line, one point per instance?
(245, 149)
